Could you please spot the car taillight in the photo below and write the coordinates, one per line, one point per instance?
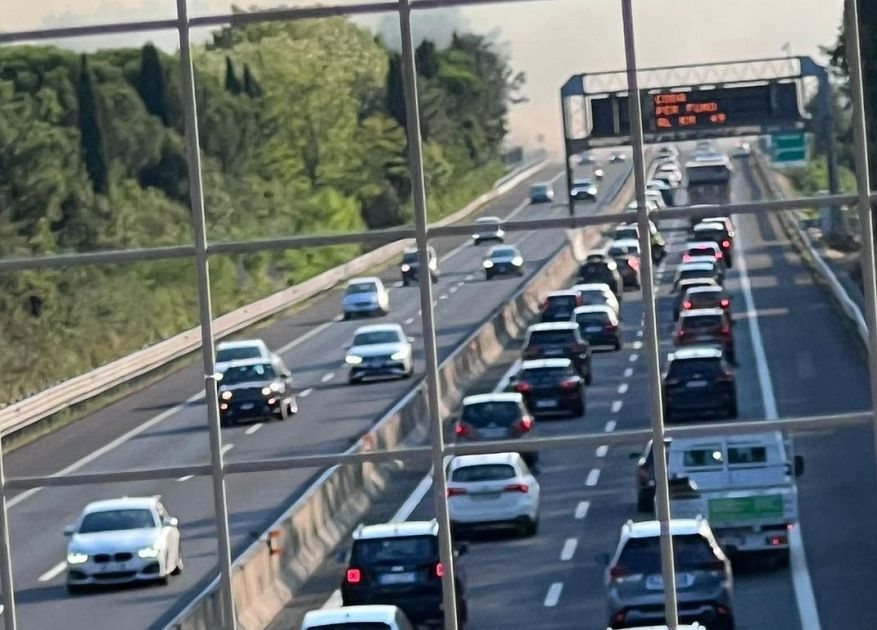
(725, 330)
(618, 618)
(725, 303)
(455, 492)
(523, 388)
(462, 430)
(722, 611)
(524, 424)
(686, 258)
(719, 255)
(354, 576)
(633, 262)
(776, 541)
(575, 347)
(439, 569)
(715, 565)
(517, 487)
(569, 384)
(726, 244)
(617, 572)
(680, 333)
(725, 377)
(686, 304)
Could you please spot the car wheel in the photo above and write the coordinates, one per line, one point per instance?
(645, 502)
(346, 316)
(293, 406)
(487, 276)
(405, 282)
(618, 344)
(531, 526)
(284, 412)
(179, 568)
(579, 410)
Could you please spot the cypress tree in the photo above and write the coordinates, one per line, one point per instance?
(426, 59)
(232, 83)
(396, 90)
(251, 86)
(91, 137)
(151, 84)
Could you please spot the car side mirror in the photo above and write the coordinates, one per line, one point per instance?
(799, 465)
(69, 530)
(602, 559)
(171, 521)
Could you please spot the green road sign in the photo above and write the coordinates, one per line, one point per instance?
(788, 147)
(754, 507)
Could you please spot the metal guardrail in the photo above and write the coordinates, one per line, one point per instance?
(28, 411)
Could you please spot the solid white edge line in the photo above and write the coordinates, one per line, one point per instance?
(52, 573)
(582, 510)
(593, 477)
(226, 448)
(553, 595)
(186, 477)
(569, 549)
(804, 595)
(406, 509)
(327, 377)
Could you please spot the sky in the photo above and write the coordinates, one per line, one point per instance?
(548, 40)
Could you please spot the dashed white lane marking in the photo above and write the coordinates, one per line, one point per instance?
(602, 450)
(443, 296)
(593, 477)
(628, 372)
(460, 283)
(225, 449)
(409, 321)
(339, 317)
(582, 510)
(52, 573)
(553, 595)
(634, 357)
(610, 426)
(616, 406)
(453, 289)
(327, 377)
(253, 428)
(622, 389)
(569, 549)
(185, 477)
(637, 345)
(469, 278)
(306, 392)
(504, 381)
(639, 333)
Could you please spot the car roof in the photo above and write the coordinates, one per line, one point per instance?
(536, 364)
(241, 343)
(461, 461)
(696, 266)
(478, 399)
(652, 529)
(397, 530)
(496, 248)
(553, 326)
(413, 250)
(700, 244)
(595, 308)
(709, 225)
(377, 328)
(711, 288)
(582, 180)
(592, 286)
(739, 439)
(363, 280)
(247, 362)
(696, 352)
(374, 613)
(701, 312)
(695, 282)
(121, 503)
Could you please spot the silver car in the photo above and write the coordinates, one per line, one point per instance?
(488, 229)
(132, 539)
(379, 351)
(365, 296)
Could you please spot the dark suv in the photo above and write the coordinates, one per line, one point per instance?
(559, 339)
(601, 268)
(398, 564)
(559, 305)
(550, 386)
(256, 389)
(699, 380)
(704, 582)
(410, 265)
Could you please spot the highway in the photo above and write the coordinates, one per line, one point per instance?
(796, 357)
(164, 424)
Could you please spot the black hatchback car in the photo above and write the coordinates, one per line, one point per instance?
(550, 386)
(558, 306)
(600, 268)
(398, 564)
(253, 389)
(559, 340)
(699, 381)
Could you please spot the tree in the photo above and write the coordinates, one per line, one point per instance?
(91, 137)
(232, 83)
(427, 60)
(151, 84)
(396, 90)
(251, 86)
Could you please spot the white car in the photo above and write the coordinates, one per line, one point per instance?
(671, 170)
(132, 539)
(365, 296)
(228, 351)
(496, 490)
(379, 351)
(598, 293)
(488, 229)
(380, 617)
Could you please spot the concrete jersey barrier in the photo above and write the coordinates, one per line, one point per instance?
(264, 580)
(32, 409)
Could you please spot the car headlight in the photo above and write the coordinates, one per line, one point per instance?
(517, 261)
(398, 356)
(226, 395)
(406, 268)
(352, 359)
(592, 191)
(148, 552)
(487, 264)
(75, 557)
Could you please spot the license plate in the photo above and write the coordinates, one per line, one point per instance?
(486, 496)
(593, 329)
(695, 384)
(492, 434)
(114, 567)
(656, 582)
(563, 314)
(247, 406)
(546, 404)
(398, 578)
(376, 364)
(553, 352)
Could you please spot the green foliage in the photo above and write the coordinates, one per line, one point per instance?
(302, 130)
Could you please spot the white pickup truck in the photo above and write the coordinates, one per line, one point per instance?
(744, 485)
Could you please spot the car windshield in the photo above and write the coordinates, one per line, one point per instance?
(623, 250)
(560, 302)
(594, 297)
(236, 354)
(403, 549)
(361, 287)
(483, 472)
(544, 375)
(497, 412)
(705, 298)
(409, 257)
(700, 251)
(742, 455)
(540, 188)
(244, 373)
(585, 319)
(699, 322)
(626, 232)
(376, 336)
(583, 183)
(716, 234)
(696, 273)
(703, 457)
(550, 337)
(643, 555)
(490, 221)
(504, 252)
(695, 368)
(116, 520)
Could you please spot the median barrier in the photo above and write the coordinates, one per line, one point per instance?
(324, 516)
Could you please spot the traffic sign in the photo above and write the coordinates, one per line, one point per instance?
(788, 147)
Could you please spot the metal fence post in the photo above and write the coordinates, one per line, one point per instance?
(567, 166)
(863, 184)
(9, 616)
(415, 156)
(650, 326)
(196, 193)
